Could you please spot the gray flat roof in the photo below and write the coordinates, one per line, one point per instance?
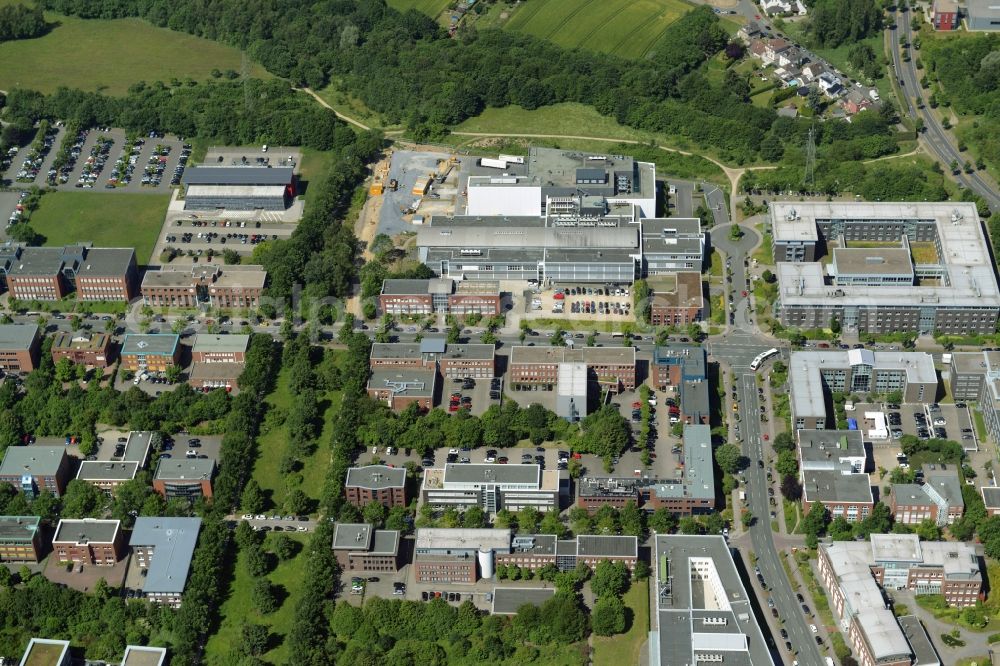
(832, 486)
(699, 478)
(506, 600)
(216, 370)
(440, 538)
(45, 652)
(375, 477)
(589, 355)
(396, 350)
(983, 9)
(150, 344)
(17, 336)
(87, 530)
(184, 469)
(693, 622)
(80, 340)
(18, 528)
(243, 275)
(385, 542)
(972, 362)
(991, 496)
(107, 470)
(208, 343)
(910, 493)
(401, 287)
(36, 460)
(173, 540)
(541, 544)
(352, 536)
(594, 545)
(923, 650)
(946, 483)
(872, 261)
(248, 175)
(829, 446)
(140, 655)
(107, 262)
(409, 382)
(138, 444)
(443, 235)
(41, 261)
(473, 473)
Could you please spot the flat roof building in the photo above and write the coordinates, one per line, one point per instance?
(991, 498)
(232, 286)
(982, 15)
(677, 300)
(238, 187)
(20, 539)
(868, 290)
(450, 360)
(140, 655)
(46, 652)
(89, 541)
(360, 547)
(19, 347)
(938, 498)
(491, 487)
(376, 483)
(703, 611)
(401, 387)
(50, 273)
(815, 374)
(611, 367)
(152, 352)
(833, 450)
(444, 555)
(36, 468)
(184, 478)
(164, 547)
(535, 551)
(109, 474)
(82, 348)
(209, 348)
(847, 495)
(514, 185)
(414, 297)
(507, 600)
(923, 650)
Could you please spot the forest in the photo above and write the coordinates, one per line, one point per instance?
(21, 22)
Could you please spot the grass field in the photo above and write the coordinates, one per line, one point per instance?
(238, 608)
(109, 56)
(628, 28)
(271, 447)
(625, 648)
(568, 118)
(429, 7)
(109, 220)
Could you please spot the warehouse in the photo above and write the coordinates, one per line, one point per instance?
(238, 188)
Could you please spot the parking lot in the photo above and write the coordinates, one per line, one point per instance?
(24, 166)
(478, 394)
(573, 302)
(943, 421)
(207, 446)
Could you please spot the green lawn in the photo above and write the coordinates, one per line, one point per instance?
(271, 448)
(626, 648)
(238, 608)
(429, 7)
(628, 28)
(352, 107)
(109, 56)
(109, 220)
(568, 118)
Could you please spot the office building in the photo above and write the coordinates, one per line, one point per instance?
(20, 539)
(921, 646)
(982, 15)
(238, 187)
(19, 346)
(46, 652)
(675, 364)
(491, 487)
(537, 368)
(89, 541)
(832, 450)
(109, 474)
(232, 286)
(671, 246)
(535, 551)
(450, 360)
(677, 301)
(208, 376)
(376, 483)
(947, 15)
(164, 547)
(359, 547)
(991, 498)
(52, 273)
(83, 348)
(208, 348)
(814, 375)
(540, 182)
(36, 468)
(842, 493)
(572, 395)
(150, 352)
(184, 478)
(938, 498)
(401, 387)
(452, 555)
(976, 376)
(953, 288)
(703, 612)
(140, 655)
(423, 297)
(691, 494)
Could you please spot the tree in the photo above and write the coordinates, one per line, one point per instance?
(474, 517)
(641, 571)
(746, 518)
(173, 374)
(83, 500)
(64, 370)
(258, 562)
(528, 519)
(783, 442)
(841, 530)
(815, 522)
(263, 597)
(609, 579)
(284, 547)
(297, 503)
(253, 639)
(689, 525)
(787, 464)
(928, 530)
(374, 513)
(632, 520)
(252, 498)
(728, 456)
(608, 616)
(791, 489)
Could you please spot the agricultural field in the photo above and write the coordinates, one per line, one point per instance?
(627, 28)
(107, 219)
(109, 56)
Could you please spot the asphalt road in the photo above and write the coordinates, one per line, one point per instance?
(683, 198)
(934, 135)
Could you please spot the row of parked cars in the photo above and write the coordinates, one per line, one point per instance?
(32, 163)
(95, 162)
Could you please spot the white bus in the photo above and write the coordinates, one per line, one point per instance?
(754, 364)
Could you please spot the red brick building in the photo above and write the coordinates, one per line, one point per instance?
(19, 347)
(680, 307)
(376, 483)
(36, 468)
(359, 547)
(847, 495)
(35, 273)
(456, 360)
(89, 541)
(209, 348)
(612, 367)
(91, 349)
(420, 297)
(184, 478)
(235, 286)
(107, 274)
(946, 15)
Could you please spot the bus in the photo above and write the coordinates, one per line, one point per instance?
(756, 363)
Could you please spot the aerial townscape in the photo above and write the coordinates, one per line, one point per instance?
(500, 332)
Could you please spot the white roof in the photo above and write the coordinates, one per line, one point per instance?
(435, 538)
(235, 191)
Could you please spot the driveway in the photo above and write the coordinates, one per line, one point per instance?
(715, 200)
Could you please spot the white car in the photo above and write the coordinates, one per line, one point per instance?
(453, 452)
(940, 422)
(374, 450)
(301, 528)
(490, 459)
(247, 516)
(260, 516)
(813, 628)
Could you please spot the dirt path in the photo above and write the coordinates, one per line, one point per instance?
(919, 150)
(346, 119)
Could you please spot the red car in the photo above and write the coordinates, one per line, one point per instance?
(559, 296)
(766, 437)
(744, 293)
